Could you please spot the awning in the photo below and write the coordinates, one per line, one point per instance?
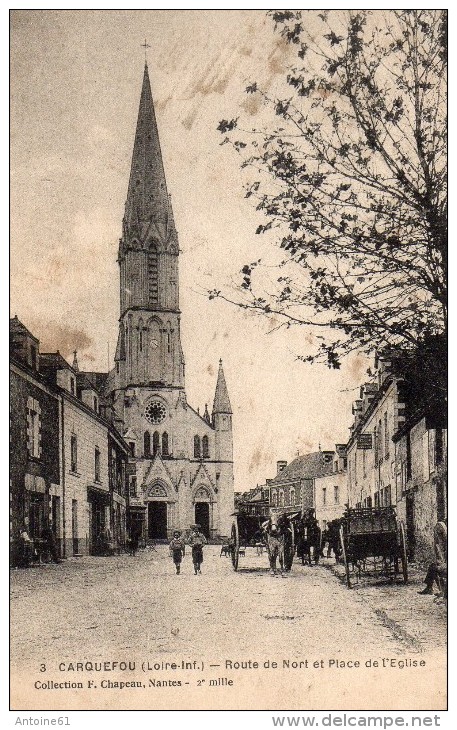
(94, 492)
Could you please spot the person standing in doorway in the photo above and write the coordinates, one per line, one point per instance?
(177, 550)
(134, 538)
(49, 543)
(197, 540)
(27, 549)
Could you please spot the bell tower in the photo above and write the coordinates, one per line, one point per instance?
(149, 346)
(181, 464)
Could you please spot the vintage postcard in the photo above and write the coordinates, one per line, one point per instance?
(228, 429)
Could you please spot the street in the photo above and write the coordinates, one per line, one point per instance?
(136, 609)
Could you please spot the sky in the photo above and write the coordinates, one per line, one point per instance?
(75, 88)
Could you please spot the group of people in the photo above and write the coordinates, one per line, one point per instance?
(178, 549)
(32, 550)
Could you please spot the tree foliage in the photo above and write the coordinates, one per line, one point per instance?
(350, 175)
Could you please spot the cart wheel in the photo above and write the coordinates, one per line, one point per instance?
(235, 551)
(345, 558)
(403, 554)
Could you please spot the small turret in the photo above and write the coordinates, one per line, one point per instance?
(221, 398)
(75, 364)
(222, 419)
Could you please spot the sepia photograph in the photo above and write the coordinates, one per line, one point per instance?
(228, 360)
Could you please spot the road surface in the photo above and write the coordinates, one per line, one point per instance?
(333, 647)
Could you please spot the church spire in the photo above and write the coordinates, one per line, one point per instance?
(147, 197)
(75, 364)
(221, 398)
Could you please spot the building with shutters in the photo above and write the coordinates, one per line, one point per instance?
(293, 486)
(397, 450)
(68, 461)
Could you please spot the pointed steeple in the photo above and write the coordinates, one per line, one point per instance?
(206, 415)
(75, 364)
(147, 197)
(221, 398)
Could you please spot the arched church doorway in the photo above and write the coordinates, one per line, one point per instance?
(157, 520)
(202, 517)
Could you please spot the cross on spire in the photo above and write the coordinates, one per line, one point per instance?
(145, 45)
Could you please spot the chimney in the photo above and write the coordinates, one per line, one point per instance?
(280, 465)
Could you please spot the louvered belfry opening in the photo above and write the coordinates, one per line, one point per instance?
(153, 274)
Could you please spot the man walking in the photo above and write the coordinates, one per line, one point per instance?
(196, 541)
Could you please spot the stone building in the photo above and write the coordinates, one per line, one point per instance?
(378, 414)
(397, 447)
(421, 447)
(331, 490)
(181, 465)
(35, 479)
(421, 479)
(254, 502)
(68, 462)
(293, 486)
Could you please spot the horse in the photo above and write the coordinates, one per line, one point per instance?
(277, 535)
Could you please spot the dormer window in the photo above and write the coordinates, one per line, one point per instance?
(72, 386)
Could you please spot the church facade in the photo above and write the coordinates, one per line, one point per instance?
(181, 465)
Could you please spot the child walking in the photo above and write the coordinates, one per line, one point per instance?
(177, 550)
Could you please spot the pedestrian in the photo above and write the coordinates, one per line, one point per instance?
(325, 543)
(107, 547)
(177, 550)
(134, 539)
(49, 544)
(314, 536)
(196, 541)
(437, 571)
(27, 549)
(273, 547)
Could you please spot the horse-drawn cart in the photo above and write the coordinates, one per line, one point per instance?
(373, 542)
(252, 530)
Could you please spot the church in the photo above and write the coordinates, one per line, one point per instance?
(181, 464)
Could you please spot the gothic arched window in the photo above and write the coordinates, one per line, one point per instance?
(155, 442)
(205, 447)
(153, 274)
(292, 497)
(196, 447)
(165, 444)
(147, 444)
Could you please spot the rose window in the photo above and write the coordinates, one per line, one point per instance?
(155, 412)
